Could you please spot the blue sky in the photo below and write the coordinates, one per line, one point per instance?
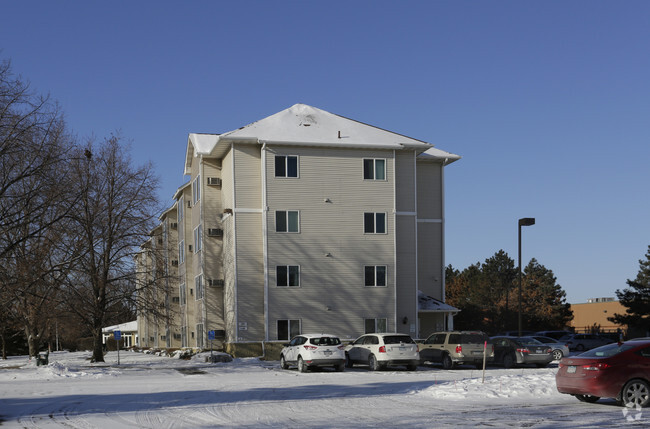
(548, 102)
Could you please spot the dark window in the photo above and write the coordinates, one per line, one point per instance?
(325, 341)
(375, 275)
(286, 166)
(288, 329)
(374, 223)
(288, 275)
(472, 339)
(398, 339)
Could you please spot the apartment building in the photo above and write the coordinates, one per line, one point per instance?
(304, 221)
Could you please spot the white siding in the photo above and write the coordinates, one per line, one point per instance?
(332, 295)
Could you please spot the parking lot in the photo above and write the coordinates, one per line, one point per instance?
(152, 391)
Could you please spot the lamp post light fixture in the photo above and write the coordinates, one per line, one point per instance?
(526, 221)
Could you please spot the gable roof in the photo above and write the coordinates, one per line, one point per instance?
(304, 125)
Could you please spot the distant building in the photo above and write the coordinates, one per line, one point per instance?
(128, 330)
(304, 221)
(594, 313)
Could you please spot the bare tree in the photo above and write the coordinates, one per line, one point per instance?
(117, 210)
(35, 198)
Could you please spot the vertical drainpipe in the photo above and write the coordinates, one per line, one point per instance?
(447, 320)
(395, 240)
(234, 242)
(203, 250)
(417, 271)
(265, 255)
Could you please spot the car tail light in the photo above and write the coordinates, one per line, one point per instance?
(523, 350)
(382, 349)
(341, 347)
(459, 349)
(310, 347)
(549, 350)
(595, 366)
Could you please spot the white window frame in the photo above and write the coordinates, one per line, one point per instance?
(375, 267)
(198, 239)
(286, 220)
(377, 322)
(199, 335)
(288, 267)
(374, 169)
(290, 322)
(182, 294)
(286, 166)
(196, 189)
(181, 252)
(375, 223)
(181, 210)
(199, 288)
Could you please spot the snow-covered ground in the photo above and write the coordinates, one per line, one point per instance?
(148, 391)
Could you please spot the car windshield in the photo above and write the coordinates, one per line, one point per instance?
(397, 339)
(608, 350)
(473, 338)
(325, 341)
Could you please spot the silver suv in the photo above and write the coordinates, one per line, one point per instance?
(453, 348)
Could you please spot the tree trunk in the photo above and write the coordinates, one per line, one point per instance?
(32, 341)
(98, 346)
(4, 345)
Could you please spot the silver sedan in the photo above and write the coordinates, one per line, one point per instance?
(559, 349)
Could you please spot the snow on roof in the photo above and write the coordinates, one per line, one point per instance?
(126, 327)
(203, 143)
(307, 124)
(301, 124)
(437, 155)
(428, 303)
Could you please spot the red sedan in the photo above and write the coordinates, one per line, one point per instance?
(619, 370)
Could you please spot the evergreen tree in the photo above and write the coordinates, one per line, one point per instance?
(544, 303)
(636, 299)
(484, 294)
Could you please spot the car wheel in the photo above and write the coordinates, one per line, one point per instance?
(580, 347)
(508, 361)
(373, 364)
(636, 393)
(283, 363)
(557, 354)
(302, 366)
(340, 367)
(447, 363)
(348, 361)
(587, 398)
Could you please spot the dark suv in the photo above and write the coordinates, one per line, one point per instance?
(453, 348)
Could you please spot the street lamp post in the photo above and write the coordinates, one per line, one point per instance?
(527, 221)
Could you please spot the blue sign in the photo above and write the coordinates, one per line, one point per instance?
(211, 335)
(117, 335)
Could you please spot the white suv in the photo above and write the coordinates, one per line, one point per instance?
(381, 350)
(313, 350)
